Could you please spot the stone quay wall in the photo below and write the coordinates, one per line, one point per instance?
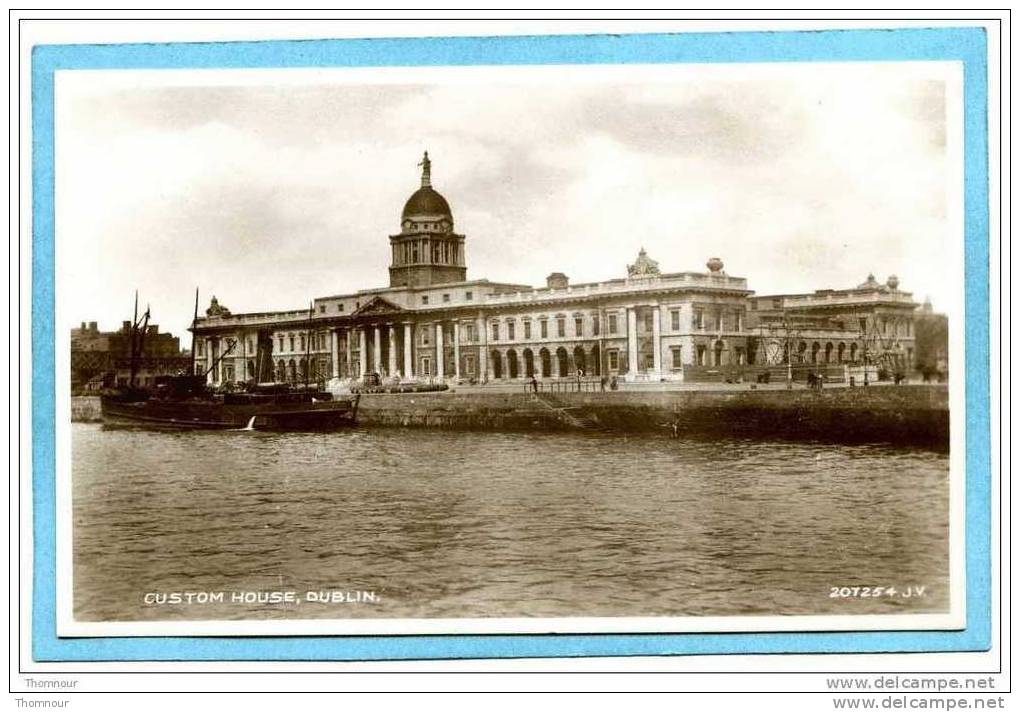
(906, 414)
(890, 414)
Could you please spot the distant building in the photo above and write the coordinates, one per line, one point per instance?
(432, 322)
(103, 358)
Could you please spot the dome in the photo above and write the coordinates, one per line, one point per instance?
(426, 201)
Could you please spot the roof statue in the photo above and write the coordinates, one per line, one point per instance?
(215, 309)
(644, 266)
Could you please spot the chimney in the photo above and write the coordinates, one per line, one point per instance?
(94, 327)
(557, 280)
(83, 326)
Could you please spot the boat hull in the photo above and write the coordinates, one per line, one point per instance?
(208, 415)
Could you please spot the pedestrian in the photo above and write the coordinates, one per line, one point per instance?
(602, 384)
(534, 384)
(613, 385)
(674, 431)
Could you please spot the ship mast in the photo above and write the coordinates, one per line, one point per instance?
(194, 322)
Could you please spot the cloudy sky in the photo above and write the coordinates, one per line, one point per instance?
(268, 192)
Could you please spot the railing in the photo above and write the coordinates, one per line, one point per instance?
(583, 385)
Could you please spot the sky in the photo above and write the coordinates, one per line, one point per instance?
(267, 192)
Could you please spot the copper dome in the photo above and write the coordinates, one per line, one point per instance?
(426, 201)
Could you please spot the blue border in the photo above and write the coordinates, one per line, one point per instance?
(966, 45)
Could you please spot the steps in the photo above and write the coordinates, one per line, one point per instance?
(577, 421)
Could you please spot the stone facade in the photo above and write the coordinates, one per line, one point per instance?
(432, 323)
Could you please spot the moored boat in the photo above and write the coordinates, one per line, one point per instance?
(184, 402)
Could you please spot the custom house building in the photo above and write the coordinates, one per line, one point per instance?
(433, 323)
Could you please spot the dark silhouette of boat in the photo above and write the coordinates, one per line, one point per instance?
(186, 402)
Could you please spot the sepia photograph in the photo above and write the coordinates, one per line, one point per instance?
(509, 349)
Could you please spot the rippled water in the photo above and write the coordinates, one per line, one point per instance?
(440, 524)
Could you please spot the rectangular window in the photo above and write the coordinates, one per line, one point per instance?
(543, 328)
(424, 299)
(322, 308)
(578, 326)
(674, 319)
(302, 342)
(595, 324)
(469, 364)
(200, 348)
(425, 336)
(527, 329)
(468, 296)
(740, 321)
(612, 323)
(340, 306)
(614, 360)
(510, 330)
(777, 303)
(495, 332)
(561, 326)
(446, 297)
(699, 319)
(646, 321)
(701, 355)
(291, 343)
(469, 333)
(677, 352)
(719, 321)
(426, 366)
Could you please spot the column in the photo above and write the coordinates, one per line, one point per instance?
(377, 349)
(408, 360)
(349, 333)
(334, 352)
(632, 362)
(656, 342)
(209, 360)
(439, 349)
(456, 349)
(393, 350)
(483, 351)
(363, 355)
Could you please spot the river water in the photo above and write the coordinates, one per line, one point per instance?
(421, 523)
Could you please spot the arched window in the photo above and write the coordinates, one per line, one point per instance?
(563, 367)
(511, 364)
(497, 364)
(546, 362)
(529, 363)
(580, 362)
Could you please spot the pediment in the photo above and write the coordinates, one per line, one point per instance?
(378, 306)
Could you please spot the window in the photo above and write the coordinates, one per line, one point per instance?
(469, 332)
(719, 320)
(426, 366)
(543, 328)
(646, 320)
(425, 335)
(677, 353)
(561, 326)
(446, 297)
(674, 319)
(595, 324)
(614, 360)
(527, 329)
(612, 323)
(291, 343)
(699, 319)
(469, 364)
(510, 330)
(251, 346)
(701, 355)
(322, 308)
(281, 343)
(777, 303)
(495, 331)
(578, 326)
(740, 321)
(468, 296)
(424, 299)
(200, 347)
(340, 306)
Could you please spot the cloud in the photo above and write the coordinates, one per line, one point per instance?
(269, 196)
